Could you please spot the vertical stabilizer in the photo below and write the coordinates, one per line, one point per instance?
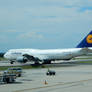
(86, 42)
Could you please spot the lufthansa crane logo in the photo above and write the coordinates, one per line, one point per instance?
(89, 39)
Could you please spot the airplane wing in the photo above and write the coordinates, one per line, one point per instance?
(30, 57)
(36, 58)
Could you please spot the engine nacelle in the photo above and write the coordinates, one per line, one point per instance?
(47, 62)
(21, 59)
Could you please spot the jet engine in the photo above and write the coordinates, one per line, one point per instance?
(21, 59)
(46, 61)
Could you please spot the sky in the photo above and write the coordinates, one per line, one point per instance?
(44, 24)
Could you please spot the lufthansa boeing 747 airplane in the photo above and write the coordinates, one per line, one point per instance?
(46, 56)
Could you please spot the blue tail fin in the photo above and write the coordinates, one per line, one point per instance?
(86, 42)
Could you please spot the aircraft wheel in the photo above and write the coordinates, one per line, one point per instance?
(11, 62)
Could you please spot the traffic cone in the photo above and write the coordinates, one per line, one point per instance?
(45, 82)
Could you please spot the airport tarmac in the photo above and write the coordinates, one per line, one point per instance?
(67, 79)
(54, 63)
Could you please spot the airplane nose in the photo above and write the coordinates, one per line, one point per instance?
(5, 56)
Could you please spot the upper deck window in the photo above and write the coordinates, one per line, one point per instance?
(16, 53)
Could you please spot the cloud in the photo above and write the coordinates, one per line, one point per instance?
(30, 35)
(9, 31)
(71, 3)
(43, 22)
(3, 39)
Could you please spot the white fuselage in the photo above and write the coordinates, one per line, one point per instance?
(56, 54)
(36, 55)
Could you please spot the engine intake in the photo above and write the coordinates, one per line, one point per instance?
(21, 59)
